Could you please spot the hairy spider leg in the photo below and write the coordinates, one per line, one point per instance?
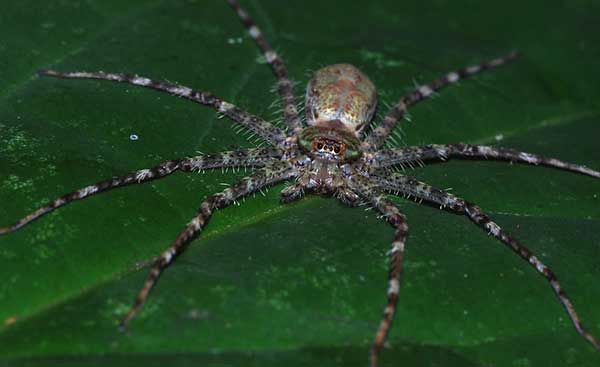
(348, 197)
(483, 221)
(240, 158)
(399, 184)
(369, 191)
(292, 192)
(271, 134)
(389, 157)
(378, 136)
(284, 84)
(251, 157)
(402, 185)
(265, 176)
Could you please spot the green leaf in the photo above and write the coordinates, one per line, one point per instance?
(300, 284)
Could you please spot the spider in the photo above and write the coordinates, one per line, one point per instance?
(330, 152)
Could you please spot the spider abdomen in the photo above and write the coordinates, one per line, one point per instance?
(340, 96)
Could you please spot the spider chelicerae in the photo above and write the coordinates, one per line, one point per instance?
(332, 152)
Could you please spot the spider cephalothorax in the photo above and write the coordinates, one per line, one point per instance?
(340, 101)
(335, 154)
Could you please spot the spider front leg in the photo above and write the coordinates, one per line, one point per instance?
(398, 183)
(268, 175)
(240, 158)
(389, 157)
(284, 84)
(369, 191)
(257, 125)
(381, 133)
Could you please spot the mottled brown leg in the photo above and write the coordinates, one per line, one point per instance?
(370, 193)
(378, 136)
(284, 85)
(400, 184)
(240, 158)
(257, 125)
(389, 157)
(265, 176)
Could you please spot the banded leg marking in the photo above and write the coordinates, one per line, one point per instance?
(380, 134)
(348, 197)
(392, 214)
(408, 186)
(391, 157)
(252, 157)
(292, 193)
(265, 176)
(257, 125)
(284, 85)
(482, 220)
(398, 220)
(240, 158)
(143, 175)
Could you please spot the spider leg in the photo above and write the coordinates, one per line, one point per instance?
(399, 184)
(268, 175)
(271, 134)
(390, 157)
(378, 136)
(369, 191)
(348, 197)
(284, 85)
(247, 157)
(292, 193)
(407, 185)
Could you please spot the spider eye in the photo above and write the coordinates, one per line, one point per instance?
(336, 149)
(320, 146)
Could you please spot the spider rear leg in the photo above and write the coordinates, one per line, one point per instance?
(370, 192)
(378, 136)
(483, 221)
(247, 157)
(284, 85)
(409, 185)
(389, 157)
(268, 175)
(271, 134)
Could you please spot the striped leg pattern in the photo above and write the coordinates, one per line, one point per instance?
(264, 176)
(378, 136)
(292, 193)
(406, 185)
(241, 158)
(284, 85)
(390, 157)
(483, 221)
(369, 192)
(271, 134)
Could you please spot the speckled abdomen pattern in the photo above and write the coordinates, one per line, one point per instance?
(340, 93)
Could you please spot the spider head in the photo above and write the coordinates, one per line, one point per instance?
(329, 144)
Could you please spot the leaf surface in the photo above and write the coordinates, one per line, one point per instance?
(301, 284)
